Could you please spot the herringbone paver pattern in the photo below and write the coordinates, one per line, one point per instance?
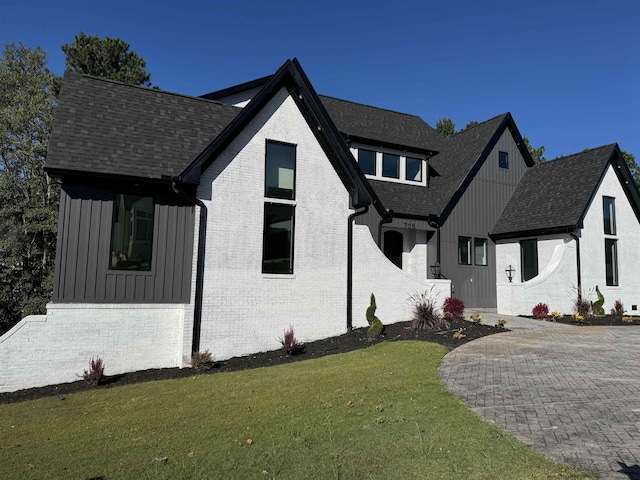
(570, 392)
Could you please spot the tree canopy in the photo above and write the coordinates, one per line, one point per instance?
(106, 58)
(28, 197)
(536, 153)
(630, 160)
(446, 127)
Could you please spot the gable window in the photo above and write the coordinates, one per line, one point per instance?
(280, 171)
(277, 250)
(464, 250)
(529, 259)
(393, 246)
(367, 161)
(390, 165)
(480, 250)
(279, 210)
(503, 159)
(132, 233)
(609, 215)
(413, 169)
(611, 261)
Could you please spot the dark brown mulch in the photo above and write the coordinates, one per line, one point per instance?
(353, 340)
(596, 321)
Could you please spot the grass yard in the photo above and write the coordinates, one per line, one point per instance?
(378, 413)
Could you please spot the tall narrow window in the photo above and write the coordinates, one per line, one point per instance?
(393, 246)
(414, 169)
(503, 159)
(611, 261)
(367, 161)
(277, 253)
(280, 182)
(480, 250)
(529, 259)
(609, 215)
(132, 233)
(390, 165)
(280, 171)
(464, 250)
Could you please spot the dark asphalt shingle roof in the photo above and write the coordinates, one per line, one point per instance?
(107, 127)
(554, 194)
(381, 125)
(458, 155)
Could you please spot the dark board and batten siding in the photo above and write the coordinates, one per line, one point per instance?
(82, 271)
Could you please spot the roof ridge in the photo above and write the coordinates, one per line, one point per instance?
(377, 108)
(479, 124)
(145, 89)
(583, 152)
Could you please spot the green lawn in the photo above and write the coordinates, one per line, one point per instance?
(374, 413)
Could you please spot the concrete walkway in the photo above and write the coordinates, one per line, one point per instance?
(572, 393)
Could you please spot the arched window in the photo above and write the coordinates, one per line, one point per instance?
(393, 247)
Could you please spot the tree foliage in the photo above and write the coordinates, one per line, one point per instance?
(106, 58)
(446, 127)
(630, 160)
(536, 153)
(472, 123)
(28, 197)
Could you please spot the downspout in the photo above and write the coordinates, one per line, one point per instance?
(350, 264)
(577, 239)
(202, 235)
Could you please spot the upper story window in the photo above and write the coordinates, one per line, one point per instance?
(280, 170)
(609, 215)
(132, 233)
(413, 169)
(367, 161)
(392, 166)
(503, 159)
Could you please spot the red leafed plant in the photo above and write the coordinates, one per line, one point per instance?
(95, 374)
(618, 308)
(290, 343)
(453, 308)
(540, 311)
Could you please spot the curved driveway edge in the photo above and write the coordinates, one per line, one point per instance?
(572, 393)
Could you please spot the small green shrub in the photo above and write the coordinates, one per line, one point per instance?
(201, 360)
(95, 374)
(376, 328)
(598, 304)
(540, 311)
(453, 309)
(425, 315)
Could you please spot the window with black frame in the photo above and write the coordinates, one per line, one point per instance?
(132, 233)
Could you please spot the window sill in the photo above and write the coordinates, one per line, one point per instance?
(288, 276)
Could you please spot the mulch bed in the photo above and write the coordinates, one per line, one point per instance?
(350, 341)
(595, 321)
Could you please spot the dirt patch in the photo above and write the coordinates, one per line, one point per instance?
(353, 340)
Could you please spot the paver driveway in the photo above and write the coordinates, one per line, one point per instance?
(570, 392)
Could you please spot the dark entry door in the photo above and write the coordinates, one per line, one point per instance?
(393, 247)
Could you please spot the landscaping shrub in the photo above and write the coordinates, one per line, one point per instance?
(618, 308)
(477, 319)
(540, 311)
(425, 315)
(627, 319)
(290, 344)
(501, 323)
(556, 316)
(598, 305)
(376, 328)
(95, 374)
(453, 308)
(581, 303)
(201, 360)
(577, 318)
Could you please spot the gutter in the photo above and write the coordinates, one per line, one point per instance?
(577, 239)
(202, 235)
(350, 263)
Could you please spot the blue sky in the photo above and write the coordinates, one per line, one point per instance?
(568, 71)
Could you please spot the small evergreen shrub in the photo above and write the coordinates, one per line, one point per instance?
(598, 305)
(201, 360)
(618, 308)
(290, 344)
(540, 311)
(453, 308)
(95, 374)
(425, 315)
(376, 328)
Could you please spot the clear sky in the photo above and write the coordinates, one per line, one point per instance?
(568, 70)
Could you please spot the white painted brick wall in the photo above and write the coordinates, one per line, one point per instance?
(55, 348)
(557, 277)
(374, 273)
